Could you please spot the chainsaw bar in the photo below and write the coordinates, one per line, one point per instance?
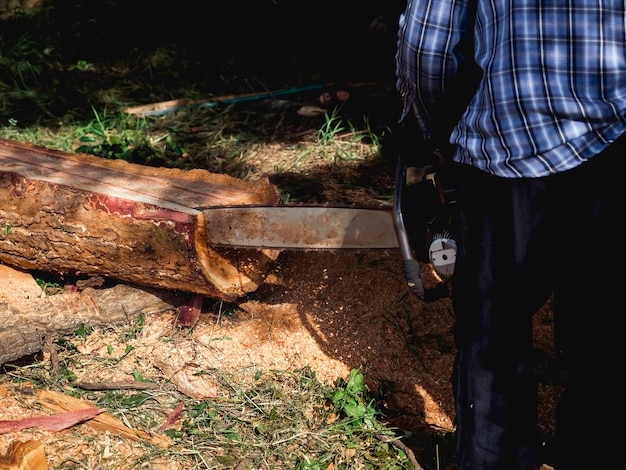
(299, 227)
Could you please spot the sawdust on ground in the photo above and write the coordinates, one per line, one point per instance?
(330, 311)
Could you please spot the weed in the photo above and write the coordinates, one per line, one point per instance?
(350, 400)
(48, 287)
(83, 331)
(332, 128)
(124, 137)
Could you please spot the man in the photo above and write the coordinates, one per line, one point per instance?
(540, 154)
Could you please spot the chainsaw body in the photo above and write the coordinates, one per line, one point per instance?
(425, 216)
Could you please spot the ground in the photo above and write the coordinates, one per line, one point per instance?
(331, 311)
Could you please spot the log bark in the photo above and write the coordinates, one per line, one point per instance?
(69, 213)
(27, 324)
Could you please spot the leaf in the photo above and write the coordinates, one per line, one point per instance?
(355, 382)
(354, 410)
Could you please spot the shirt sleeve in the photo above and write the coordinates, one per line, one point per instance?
(428, 57)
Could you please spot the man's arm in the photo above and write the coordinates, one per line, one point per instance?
(429, 57)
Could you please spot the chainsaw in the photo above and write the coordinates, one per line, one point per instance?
(425, 192)
(179, 209)
(421, 224)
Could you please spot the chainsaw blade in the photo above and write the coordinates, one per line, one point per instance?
(299, 227)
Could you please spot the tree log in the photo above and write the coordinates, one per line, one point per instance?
(27, 324)
(28, 454)
(71, 213)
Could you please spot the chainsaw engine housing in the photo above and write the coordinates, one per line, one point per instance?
(430, 211)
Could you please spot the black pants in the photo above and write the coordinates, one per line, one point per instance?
(520, 241)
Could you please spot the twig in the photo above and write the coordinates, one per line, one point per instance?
(118, 385)
(398, 443)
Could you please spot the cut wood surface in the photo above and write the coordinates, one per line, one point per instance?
(68, 213)
(27, 455)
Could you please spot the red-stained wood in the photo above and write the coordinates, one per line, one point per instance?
(57, 422)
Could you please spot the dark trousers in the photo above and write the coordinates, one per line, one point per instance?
(520, 241)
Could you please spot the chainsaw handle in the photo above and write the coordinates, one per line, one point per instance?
(413, 277)
(411, 267)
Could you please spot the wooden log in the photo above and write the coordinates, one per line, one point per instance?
(25, 455)
(27, 324)
(68, 213)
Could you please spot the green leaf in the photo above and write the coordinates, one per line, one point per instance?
(354, 410)
(135, 400)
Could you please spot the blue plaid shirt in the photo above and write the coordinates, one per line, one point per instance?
(553, 92)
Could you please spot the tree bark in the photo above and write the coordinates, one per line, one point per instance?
(27, 324)
(71, 213)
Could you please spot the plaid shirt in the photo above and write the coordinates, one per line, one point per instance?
(553, 92)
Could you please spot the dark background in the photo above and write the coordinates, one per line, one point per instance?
(332, 38)
(212, 47)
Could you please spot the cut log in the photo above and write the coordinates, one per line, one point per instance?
(69, 213)
(29, 455)
(27, 324)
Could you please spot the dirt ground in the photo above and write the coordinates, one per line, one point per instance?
(332, 311)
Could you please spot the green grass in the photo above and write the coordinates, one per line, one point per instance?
(73, 98)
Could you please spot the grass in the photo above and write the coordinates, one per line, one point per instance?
(263, 419)
(66, 81)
